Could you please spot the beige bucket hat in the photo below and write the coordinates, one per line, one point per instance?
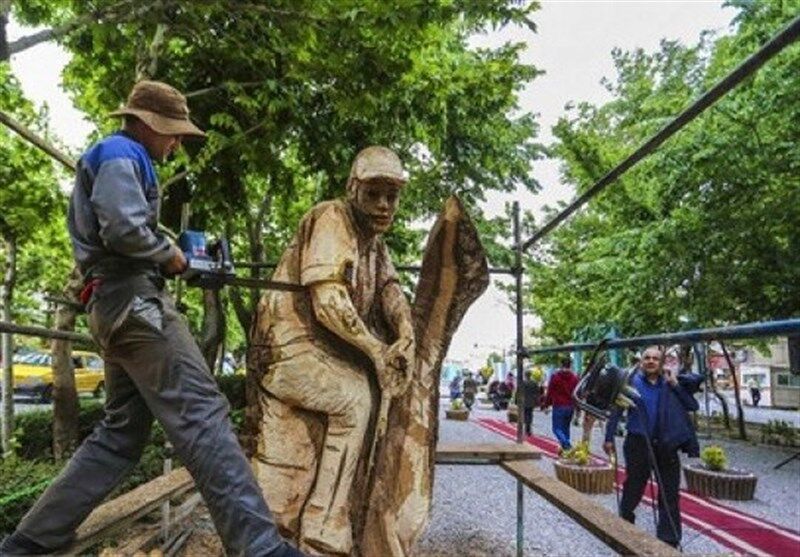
(162, 107)
(378, 162)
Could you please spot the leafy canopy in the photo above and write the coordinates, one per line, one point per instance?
(704, 232)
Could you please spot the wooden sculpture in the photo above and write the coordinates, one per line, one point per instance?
(344, 376)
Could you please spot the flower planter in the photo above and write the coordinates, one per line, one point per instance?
(586, 478)
(462, 414)
(736, 485)
(513, 413)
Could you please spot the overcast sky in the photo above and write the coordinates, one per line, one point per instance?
(572, 45)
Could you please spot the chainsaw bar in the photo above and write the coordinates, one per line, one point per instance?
(263, 284)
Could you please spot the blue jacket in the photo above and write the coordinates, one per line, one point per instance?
(113, 210)
(673, 426)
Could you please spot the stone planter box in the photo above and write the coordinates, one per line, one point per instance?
(589, 478)
(461, 414)
(513, 413)
(736, 485)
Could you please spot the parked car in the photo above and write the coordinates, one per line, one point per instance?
(33, 375)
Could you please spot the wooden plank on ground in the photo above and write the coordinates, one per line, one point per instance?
(484, 453)
(118, 514)
(620, 535)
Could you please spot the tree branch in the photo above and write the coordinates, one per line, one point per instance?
(226, 85)
(250, 7)
(122, 11)
(147, 66)
(229, 143)
(39, 142)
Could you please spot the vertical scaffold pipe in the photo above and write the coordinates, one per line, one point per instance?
(520, 347)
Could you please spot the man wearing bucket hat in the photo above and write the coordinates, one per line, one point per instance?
(324, 350)
(153, 367)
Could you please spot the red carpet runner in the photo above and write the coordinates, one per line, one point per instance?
(732, 528)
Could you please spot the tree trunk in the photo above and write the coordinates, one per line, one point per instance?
(454, 274)
(244, 314)
(6, 344)
(726, 415)
(147, 65)
(736, 394)
(5, 8)
(65, 394)
(213, 327)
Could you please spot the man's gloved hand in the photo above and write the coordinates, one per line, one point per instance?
(177, 264)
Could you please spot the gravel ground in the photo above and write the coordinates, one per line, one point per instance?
(474, 510)
(489, 518)
(777, 496)
(474, 507)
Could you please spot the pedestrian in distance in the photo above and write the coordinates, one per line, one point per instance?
(153, 366)
(559, 396)
(755, 391)
(531, 398)
(470, 390)
(455, 387)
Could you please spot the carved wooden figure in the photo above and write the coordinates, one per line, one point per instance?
(344, 376)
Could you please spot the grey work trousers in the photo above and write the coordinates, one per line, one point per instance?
(153, 367)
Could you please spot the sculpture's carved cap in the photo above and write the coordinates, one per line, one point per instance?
(378, 162)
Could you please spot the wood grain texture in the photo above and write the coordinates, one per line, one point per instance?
(620, 535)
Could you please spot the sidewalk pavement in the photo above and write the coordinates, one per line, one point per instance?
(752, 414)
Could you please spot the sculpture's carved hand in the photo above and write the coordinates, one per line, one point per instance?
(400, 362)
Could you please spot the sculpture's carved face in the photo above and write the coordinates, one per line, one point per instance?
(376, 200)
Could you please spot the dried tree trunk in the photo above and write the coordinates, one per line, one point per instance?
(391, 493)
(736, 394)
(6, 343)
(65, 394)
(454, 274)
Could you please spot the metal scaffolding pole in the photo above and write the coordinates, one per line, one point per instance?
(403, 268)
(785, 37)
(42, 332)
(787, 327)
(520, 355)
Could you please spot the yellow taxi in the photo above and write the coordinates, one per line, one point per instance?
(33, 374)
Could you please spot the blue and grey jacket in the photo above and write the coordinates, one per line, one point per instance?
(113, 211)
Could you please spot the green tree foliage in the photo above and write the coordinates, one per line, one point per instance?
(290, 90)
(705, 231)
(33, 205)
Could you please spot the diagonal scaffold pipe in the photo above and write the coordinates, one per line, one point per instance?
(786, 327)
(785, 37)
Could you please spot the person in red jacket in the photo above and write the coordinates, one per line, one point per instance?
(559, 396)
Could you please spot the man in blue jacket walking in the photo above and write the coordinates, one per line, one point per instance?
(153, 367)
(661, 414)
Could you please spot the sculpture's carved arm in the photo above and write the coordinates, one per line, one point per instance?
(397, 310)
(334, 309)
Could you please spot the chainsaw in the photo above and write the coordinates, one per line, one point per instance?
(209, 265)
